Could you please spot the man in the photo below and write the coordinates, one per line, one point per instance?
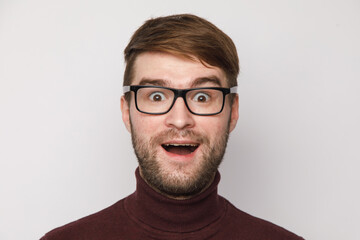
(180, 105)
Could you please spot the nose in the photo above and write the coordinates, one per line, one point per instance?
(179, 116)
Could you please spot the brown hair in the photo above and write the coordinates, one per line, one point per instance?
(184, 35)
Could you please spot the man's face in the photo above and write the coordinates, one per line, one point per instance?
(178, 152)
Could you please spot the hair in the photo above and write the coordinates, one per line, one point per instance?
(184, 35)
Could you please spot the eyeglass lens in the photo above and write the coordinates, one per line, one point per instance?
(159, 100)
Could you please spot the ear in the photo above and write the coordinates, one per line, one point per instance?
(125, 111)
(234, 113)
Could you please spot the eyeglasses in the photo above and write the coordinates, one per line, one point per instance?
(199, 101)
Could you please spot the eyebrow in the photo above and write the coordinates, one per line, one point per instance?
(205, 80)
(196, 83)
(155, 82)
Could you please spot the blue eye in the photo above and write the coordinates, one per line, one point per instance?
(201, 97)
(157, 96)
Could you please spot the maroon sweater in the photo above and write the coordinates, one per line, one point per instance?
(146, 214)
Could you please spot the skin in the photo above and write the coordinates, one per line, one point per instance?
(179, 125)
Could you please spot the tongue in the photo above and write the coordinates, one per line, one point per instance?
(179, 150)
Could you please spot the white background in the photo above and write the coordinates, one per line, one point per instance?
(293, 159)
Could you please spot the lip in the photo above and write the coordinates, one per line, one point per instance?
(180, 141)
(177, 157)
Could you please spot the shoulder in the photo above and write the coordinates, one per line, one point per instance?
(90, 227)
(247, 226)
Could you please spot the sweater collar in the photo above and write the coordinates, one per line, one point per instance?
(171, 215)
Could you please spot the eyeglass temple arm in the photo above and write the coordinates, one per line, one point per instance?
(126, 89)
(233, 89)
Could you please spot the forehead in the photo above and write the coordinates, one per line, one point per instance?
(175, 71)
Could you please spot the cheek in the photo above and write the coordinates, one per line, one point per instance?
(144, 125)
(213, 127)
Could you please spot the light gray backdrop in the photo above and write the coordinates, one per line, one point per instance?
(293, 159)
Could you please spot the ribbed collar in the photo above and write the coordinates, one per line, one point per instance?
(160, 212)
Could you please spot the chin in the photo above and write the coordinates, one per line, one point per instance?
(178, 173)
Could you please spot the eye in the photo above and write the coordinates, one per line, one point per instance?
(201, 97)
(157, 96)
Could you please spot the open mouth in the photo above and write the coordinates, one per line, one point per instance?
(180, 149)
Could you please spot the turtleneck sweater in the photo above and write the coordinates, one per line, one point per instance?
(147, 214)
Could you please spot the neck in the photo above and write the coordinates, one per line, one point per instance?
(147, 206)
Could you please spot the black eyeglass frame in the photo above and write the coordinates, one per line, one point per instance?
(179, 93)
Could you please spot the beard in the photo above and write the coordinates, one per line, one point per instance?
(179, 181)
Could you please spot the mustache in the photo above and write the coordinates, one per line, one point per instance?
(170, 134)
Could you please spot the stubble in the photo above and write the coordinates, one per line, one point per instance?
(180, 182)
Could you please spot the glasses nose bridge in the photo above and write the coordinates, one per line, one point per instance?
(180, 93)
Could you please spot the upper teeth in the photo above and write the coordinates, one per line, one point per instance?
(177, 145)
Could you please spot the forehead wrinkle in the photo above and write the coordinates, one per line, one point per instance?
(213, 80)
